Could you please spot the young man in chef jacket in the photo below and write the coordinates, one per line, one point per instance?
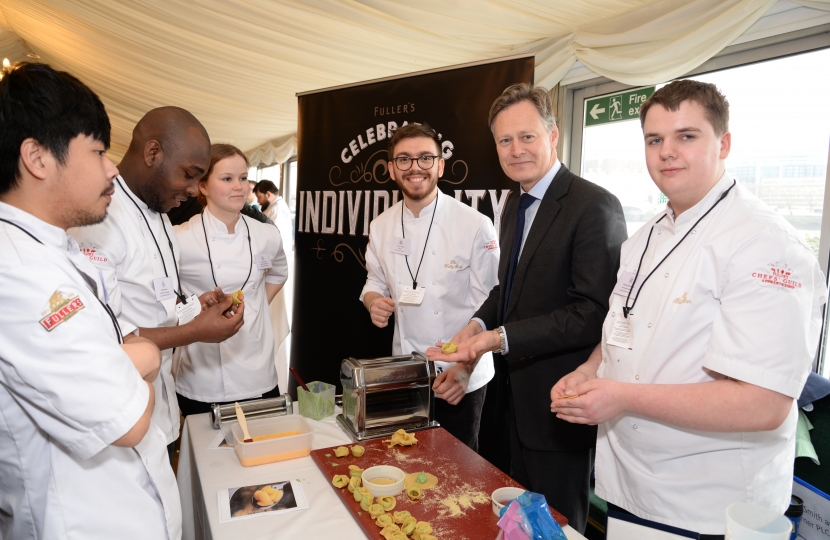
(431, 262)
(80, 457)
(137, 252)
(703, 355)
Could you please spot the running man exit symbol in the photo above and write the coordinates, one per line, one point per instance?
(616, 108)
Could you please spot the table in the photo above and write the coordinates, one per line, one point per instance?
(203, 472)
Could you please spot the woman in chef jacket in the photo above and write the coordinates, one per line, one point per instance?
(222, 248)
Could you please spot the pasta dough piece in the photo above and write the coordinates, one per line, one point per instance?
(384, 520)
(341, 451)
(389, 530)
(340, 480)
(401, 516)
(355, 471)
(359, 493)
(402, 438)
(408, 526)
(414, 493)
(375, 510)
(365, 503)
(357, 450)
(398, 536)
(354, 483)
(412, 480)
(423, 527)
(424, 537)
(449, 347)
(387, 502)
(238, 297)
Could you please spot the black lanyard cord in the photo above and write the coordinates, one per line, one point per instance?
(169, 242)
(250, 250)
(626, 308)
(403, 232)
(118, 334)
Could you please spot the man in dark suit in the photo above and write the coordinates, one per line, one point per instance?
(560, 244)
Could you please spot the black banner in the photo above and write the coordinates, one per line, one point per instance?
(343, 183)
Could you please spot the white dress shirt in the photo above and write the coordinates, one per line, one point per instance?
(742, 297)
(460, 267)
(67, 392)
(280, 214)
(124, 250)
(242, 366)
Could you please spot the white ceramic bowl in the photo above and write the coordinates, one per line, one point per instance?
(383, 471)
(502, 497)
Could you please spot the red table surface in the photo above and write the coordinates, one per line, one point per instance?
(460, 471)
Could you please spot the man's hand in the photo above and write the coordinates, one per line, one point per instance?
(596, 401)
(380, 309)
(451, 385)
(220, 321)
(470, 348)
(211, 298)
(567, 385)
(144, 355)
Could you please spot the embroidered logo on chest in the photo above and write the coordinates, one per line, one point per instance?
(682, 300)
(452, 265)
(92, 253)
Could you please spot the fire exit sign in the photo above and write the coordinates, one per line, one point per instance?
(616, 107)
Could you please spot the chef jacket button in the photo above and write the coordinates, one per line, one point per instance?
(436, 313)
(635, 426)
(667, 274)
(694, 231)
(433, 283)
(649, 325)
(659, 231)
(399, 283)
(155, 256)
(220, 266)
(637, 377)
(613, 314)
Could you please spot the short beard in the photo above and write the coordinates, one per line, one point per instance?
(150, 192)
(404, 189)
(84, 219)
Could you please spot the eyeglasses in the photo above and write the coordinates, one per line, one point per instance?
(404, 163)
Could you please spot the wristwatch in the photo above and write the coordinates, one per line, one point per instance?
(502, 340)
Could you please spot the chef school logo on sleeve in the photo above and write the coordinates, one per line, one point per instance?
(62, 306)
(777, 275)
(491, 245)
(92, 253)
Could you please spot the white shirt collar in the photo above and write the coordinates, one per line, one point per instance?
(46, 233)
(133, 196)
(216, 226)
(541, 187)
(693, 214)
(425, 212)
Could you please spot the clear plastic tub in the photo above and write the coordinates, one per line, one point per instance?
(287, 446)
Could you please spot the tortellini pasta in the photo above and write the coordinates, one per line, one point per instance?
(340, 480)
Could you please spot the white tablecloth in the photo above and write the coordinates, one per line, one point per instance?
(203, 472)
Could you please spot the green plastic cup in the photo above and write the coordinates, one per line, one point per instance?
(319, 402)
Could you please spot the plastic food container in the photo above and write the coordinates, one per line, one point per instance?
(502, 497)
(319, 402)
(383, 471)
(276, 449)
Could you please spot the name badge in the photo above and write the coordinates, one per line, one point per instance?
(187, 312)
(263, 261)
(165, 290)
(621, 331)
(625, 282)
(401, 246)
(412, 297)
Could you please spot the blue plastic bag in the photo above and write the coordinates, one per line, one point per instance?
(539, 520)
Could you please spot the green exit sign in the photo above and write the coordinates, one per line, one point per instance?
(616, 107)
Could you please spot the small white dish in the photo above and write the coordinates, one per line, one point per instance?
(502, 497)
(383, 471)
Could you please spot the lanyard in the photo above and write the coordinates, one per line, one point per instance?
(403, 232)
(118, 334)
(169, 243)
(210, 261)
(626, 308)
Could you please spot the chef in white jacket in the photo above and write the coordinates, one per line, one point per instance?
(432, 261)
(80, 457)
(222, 248)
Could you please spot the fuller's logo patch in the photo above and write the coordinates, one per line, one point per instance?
(61, 308)
(777, 275)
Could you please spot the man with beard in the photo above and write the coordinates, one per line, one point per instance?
(79, 454)
(137, 254)
(431, 262)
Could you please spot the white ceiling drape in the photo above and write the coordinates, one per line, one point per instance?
(237, 64)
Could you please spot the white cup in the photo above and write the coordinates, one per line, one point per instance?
(749, 521)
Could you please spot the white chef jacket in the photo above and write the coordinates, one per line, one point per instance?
(65, 395)
(122, 248)
(741, 296)
(279, 213)
(242, 366)
(460, 268)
